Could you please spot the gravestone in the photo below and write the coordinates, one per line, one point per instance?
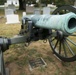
(6, 5)
(8, 12)
(46, 10)
(24, 14)
(15, 2)
(51, 5)
(12, 19)
(37, 11)
(8, 2)
(29, 9)
(12, 6)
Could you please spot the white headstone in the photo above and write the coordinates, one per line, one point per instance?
(15, 2)
(6, 5)
(51, 5)
(8, 1)
(29, 9)
(12, 6)
(8, 12)
(24, 14)
(46, 10)
(37, 11)
(12, 19)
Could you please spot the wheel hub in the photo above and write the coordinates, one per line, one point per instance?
(60, 35)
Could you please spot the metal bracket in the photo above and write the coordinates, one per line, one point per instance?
(3, 71)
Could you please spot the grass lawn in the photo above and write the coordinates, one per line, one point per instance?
(16, 58)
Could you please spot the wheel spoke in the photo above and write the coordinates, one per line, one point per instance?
(71, 41)
(56, 44)
(52, 40)
(64, 49)
(69, 48)
(60, 47)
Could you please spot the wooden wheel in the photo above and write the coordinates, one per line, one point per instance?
(64, 9)
(64, 46)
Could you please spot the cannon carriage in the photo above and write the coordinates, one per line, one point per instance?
(59, 28)
(60, 39)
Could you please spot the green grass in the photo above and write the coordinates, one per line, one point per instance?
(23, 74)
(22, 62)
(11, 58)
(32, 74)
(66, 64)
(32, 51)
(48, 58)
(42, 69)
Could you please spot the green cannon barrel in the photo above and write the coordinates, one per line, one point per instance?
(65, 22)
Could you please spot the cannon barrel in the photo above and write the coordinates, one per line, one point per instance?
(65, 22)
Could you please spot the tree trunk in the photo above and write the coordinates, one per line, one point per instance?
(22, 5)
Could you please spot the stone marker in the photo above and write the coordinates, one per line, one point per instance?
(8, 12)
(24, 14)
(12, 19)
(6, 5)
(12, 6)
(37, 11)
(46, 10)
(29, 9)
(15, 2)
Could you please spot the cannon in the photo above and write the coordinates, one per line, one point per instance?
(59, 28)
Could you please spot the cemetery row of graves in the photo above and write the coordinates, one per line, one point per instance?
(11, 12)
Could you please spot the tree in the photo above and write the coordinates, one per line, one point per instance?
(60, 3)
(2, 2)
(64, 2)
(22, 4)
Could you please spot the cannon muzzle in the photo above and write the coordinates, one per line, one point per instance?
(66, 22)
